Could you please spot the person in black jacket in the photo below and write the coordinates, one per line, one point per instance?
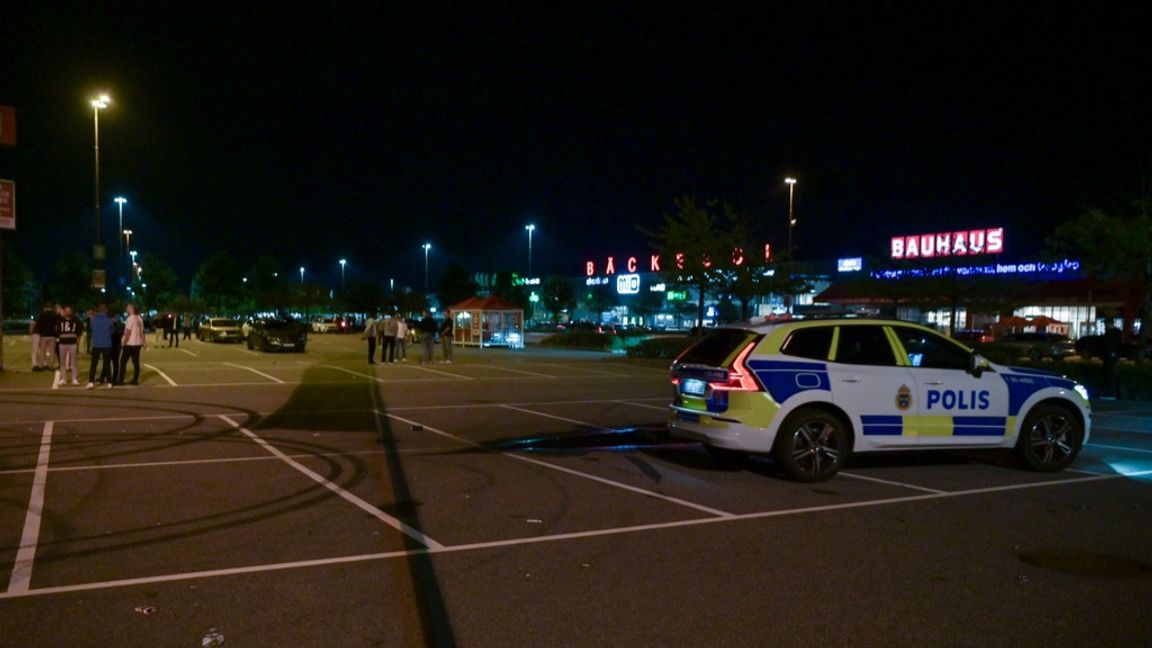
(68, 337)
(427, 328)
(447, 333)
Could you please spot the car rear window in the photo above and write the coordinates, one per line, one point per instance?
(715, 347)
(809, 343)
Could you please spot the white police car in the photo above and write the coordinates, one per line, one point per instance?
(811, 392)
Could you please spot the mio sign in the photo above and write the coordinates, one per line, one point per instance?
(946, 244)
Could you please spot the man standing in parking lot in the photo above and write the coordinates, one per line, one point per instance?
(427, 328)
(401, 340)
(46, 325)
(370, 335)
(101, 328)
(388, 348)
(133, 342)
(447, 333)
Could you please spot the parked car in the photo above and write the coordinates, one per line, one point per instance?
(810, 393)
(1039, 345)
(277, 335)
(970, 336)
(325, 325)
(1093, 346)
(219, 329)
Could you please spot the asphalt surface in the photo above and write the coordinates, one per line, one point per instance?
(518, 498)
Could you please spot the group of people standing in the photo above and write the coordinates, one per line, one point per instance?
(392, 333)
(111, 343)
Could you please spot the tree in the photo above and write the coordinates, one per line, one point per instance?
(72, 280)
(363, 297)
(691, 242)
(218, 283)
(266, 289)
(558, 296)
(752, 274)
(156, 283)
(505, 286)
(1115, 247)
(456, 286)
(19, 286)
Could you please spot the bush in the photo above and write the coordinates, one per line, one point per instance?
(580, 340)
(663, 347)
(1132, 382)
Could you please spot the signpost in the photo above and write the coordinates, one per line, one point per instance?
(7, 221)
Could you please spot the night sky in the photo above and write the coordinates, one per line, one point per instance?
(363, 129)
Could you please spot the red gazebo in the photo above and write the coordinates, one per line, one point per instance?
(488, 322)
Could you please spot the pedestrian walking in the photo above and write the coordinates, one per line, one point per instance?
(427, 328)
(46, 324)
(133, 341)
(447, 333)
(370, 335)
(388, 348)
(1113, 344)
(114, 376)
(157, 329)
(401, 339)
(187, 325)
(101, 327)
(68, 339)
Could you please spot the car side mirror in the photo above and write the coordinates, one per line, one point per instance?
(978, 364)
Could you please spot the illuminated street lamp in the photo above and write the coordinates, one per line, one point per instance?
(531, 228)
(98, 104)
(791, 215)
(301, 275)
(120, 200)
(126, 240)
(426, 246)
(342, 263)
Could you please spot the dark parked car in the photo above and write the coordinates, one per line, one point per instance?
(1039, 345)
(277, 335)
(1093, 346)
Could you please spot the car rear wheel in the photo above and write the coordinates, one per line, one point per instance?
(812, 445)
(1035, 354)
(1050, 439)
(249, 344)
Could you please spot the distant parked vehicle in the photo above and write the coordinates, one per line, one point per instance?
(1095, 346)
(325, 325)
(1039, 345)
(277, 335)
(219, 329)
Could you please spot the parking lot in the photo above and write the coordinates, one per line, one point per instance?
(524, 498)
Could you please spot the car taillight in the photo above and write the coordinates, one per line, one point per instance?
(739, 378)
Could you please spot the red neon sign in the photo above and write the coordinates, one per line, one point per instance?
(961, 243)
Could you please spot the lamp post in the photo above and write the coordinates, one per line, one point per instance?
(427, 246)
(98, 104)
(126, 241)
(301, 275)
(791, 215)
(120, 200)
(342, 263)
(531, 228)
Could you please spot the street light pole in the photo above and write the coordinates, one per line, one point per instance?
(98, 103)
(427, 246)
(342, 262)
(301, 275)
(791, 214)
(120, 200)
(530, 228)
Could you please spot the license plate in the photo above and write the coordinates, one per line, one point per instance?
(693, 387)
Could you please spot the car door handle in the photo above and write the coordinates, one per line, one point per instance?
(933, 382)
(850, 380)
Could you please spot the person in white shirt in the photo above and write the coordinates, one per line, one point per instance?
(132, 343)
(401, 340)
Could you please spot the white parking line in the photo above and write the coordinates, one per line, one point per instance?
(162, 374)
(693, 505)
(258, 373)
(22, 569)
(645, 406)
(521, 371)
(375, 512)
(1113, 447)
(890, 483)
(551, 416)
(476, 546)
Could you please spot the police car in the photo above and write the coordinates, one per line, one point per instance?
(812, 392)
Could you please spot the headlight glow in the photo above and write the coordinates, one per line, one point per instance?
(1082, 390)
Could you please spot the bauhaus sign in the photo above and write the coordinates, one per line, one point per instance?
(946, 244)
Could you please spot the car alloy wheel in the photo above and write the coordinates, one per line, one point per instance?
(812, 445)
(1050, 439)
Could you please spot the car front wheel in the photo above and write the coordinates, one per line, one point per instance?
(1050, 439)
(812, 445)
